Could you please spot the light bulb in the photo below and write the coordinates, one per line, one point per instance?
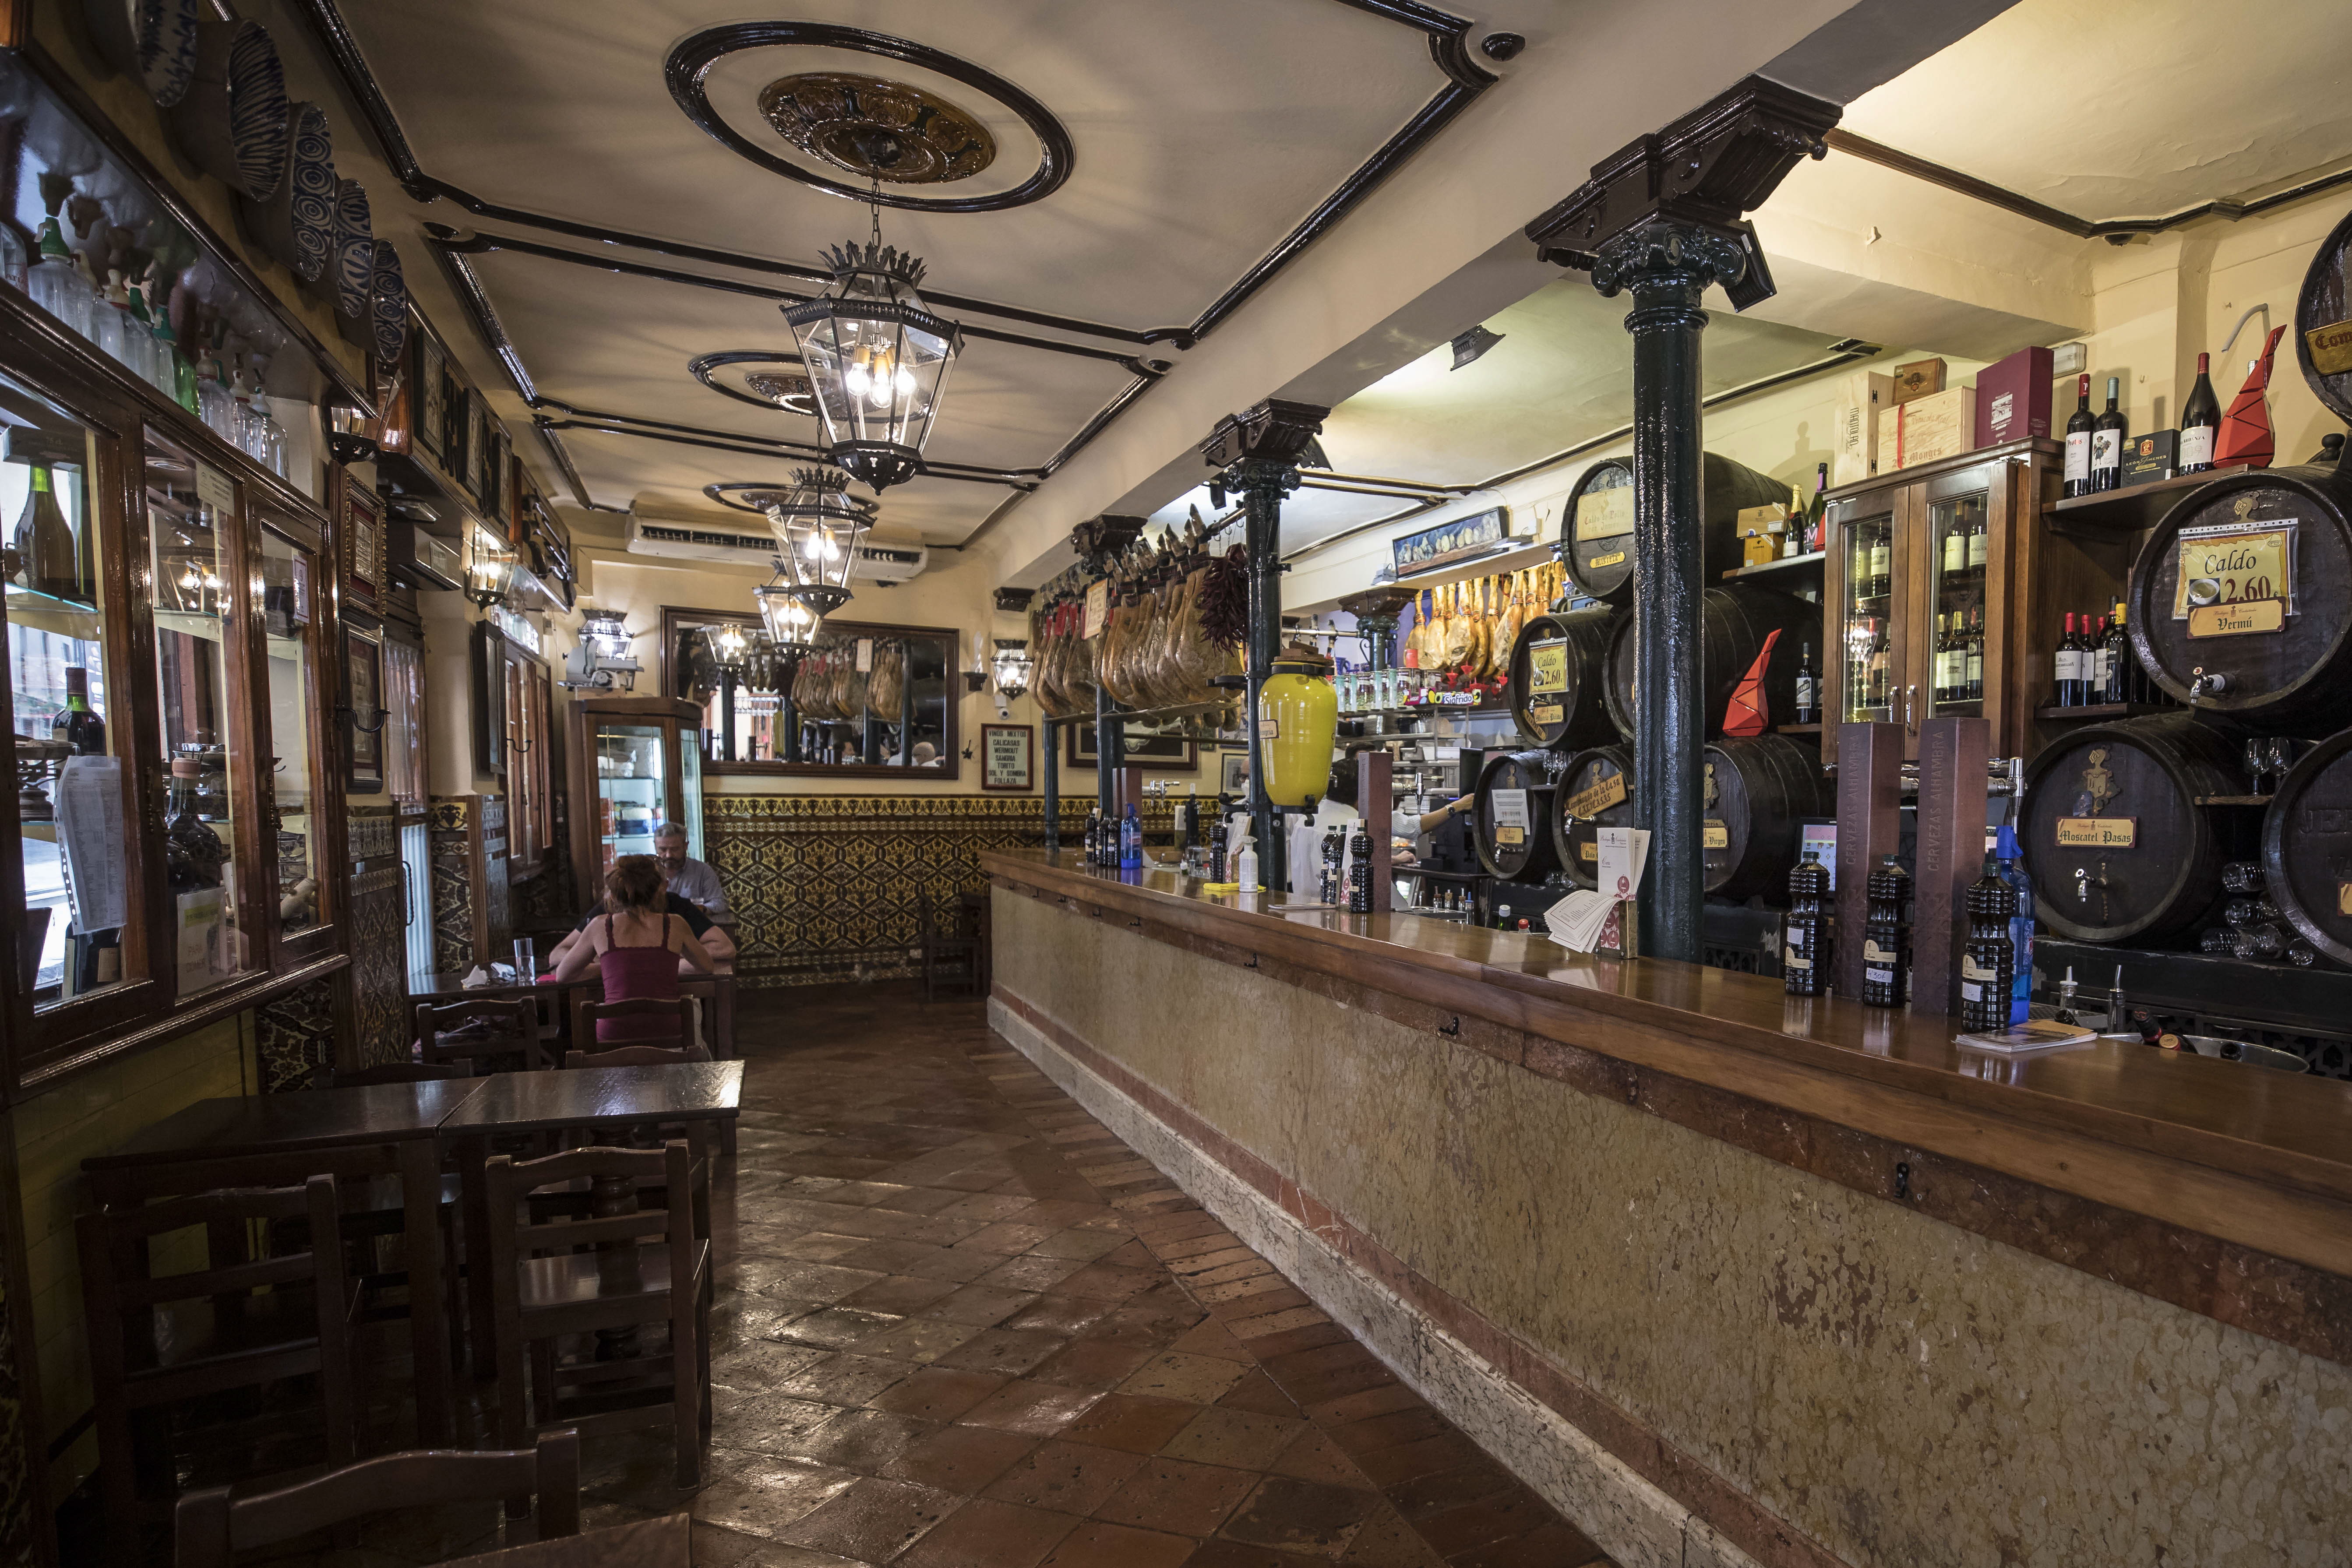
(905, 382)
(855, 379)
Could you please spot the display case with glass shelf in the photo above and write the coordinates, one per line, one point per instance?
(1949, 591)
(299, 797)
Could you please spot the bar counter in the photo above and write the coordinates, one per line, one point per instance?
(1730, 1275)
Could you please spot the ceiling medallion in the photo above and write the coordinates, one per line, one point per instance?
(788, 391)
(876, 128)
(767, 378)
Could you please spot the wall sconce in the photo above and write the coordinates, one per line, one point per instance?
(491, 569)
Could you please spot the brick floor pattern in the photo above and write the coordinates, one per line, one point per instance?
(961, 1325)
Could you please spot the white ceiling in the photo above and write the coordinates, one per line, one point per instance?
(2108, 111)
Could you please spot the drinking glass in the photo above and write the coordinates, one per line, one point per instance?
(526, 961)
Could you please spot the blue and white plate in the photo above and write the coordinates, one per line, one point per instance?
(311, 192)
(389, 294)
(257, 116)
(166, 46)
(354, 262)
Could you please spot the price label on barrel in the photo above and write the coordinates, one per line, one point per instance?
(1589, 850)
(1605, 514)
(1548, 667)
(1595, 799)
(2343, 898)
(1614, 558)
(1510, 836)
(1508, 809)
(2331, 348)
(2235, 564)
(1714, 836)
(2242, 619)
(1547, 713)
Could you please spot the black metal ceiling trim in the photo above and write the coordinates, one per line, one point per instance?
(555, 447)
(693, 58)
(442, 235)
(774, 445)
(1447, 36)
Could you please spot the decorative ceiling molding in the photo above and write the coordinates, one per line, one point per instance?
(1447, 38)
(611, 424)
(691, 62)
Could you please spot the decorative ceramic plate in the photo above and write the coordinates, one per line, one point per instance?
(167, 35)
(312, 194)
(354, 259)
(390, 295)
(257, 111)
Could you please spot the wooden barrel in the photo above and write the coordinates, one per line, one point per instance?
(1596, 524)
(1595, 792)
(1511, 852)
(1757, 792)
(1566, 706)
(2249, 581)
(2307, 847)
(1733, 623)
(2119, 847)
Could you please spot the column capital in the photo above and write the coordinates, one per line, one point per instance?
(1276, 432)
(1675, 259)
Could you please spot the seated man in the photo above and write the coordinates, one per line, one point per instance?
(689, 878)
(715, 940)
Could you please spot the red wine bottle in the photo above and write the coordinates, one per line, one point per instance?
(2109, 433)
(2201, 422)
(2078, 443)
(2063, 680)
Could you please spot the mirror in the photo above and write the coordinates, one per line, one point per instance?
(872, 702)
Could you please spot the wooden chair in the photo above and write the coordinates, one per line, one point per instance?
(586, 1014)
(950, 950)
(595, 1275)
(496, 1033)
(210, 1528)
(645, 1054)
(636, 1057)
(243, 1318)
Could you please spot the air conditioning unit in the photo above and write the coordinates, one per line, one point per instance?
(879, 561)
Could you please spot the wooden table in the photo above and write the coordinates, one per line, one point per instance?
(281, 1139)
(446, 985)
(612, 1099)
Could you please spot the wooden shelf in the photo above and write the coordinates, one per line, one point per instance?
(2135, 507)
(2105, 711)
(1796, 729)
(1807, 567)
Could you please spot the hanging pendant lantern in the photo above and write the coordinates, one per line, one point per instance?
(819, 524)
(729, 644)
(878, 360)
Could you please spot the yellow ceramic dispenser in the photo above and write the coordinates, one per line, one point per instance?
(1297, 717)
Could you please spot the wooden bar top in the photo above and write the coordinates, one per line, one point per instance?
(2260, 1157)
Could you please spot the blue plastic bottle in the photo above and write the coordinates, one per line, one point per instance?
(2021, 924)
(1130, 838)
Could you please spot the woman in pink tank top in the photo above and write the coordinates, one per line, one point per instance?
(636, 948)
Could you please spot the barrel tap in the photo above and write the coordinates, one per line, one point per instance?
(2201, 684)
(2084, 882)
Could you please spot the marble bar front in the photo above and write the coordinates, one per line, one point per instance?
(1732, 1277)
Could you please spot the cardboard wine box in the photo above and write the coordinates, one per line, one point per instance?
(2152, 456)
(1853, 444)
(2013, 397)
(1927, 428)
(1919, 378)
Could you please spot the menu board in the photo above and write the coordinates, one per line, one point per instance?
(1004, 756)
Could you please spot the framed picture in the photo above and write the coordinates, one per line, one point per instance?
(1007, 753)
(363, 703)
(453, 423)
(1159, 753)
(432, 403)
(1233, 772)
(495, 499)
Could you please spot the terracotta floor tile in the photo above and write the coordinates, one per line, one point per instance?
(1118, 1546)
(1031, 1272)
(1092, 1363)
(757, 1495)
(1257, 1391)
(1060, 1314)
(1377, 1432)
(900, 1294)
(861, 1440)
(1428, 1496)
(762, 1363)
(980, 1305)
(1039, 1409)
(1303, 1328)
(1177, 1495)
(1210, 1337)
(1440, 1451)
(1313, 1457)
(1371, 1402)
(1234, 1438)
(1084, 1246)
(1554, 1545)
(846, 1379)
(1294, 1515)
(871, 1521)
(1011, 1350)
(768, 1422)
(1223, 1553)
(1173, 1375)
(984, 1533)
(1006, 1236)
(1107, 1282)
(1138, 1425)
(1249, 1298)
(958, 1458)
(939, 1392)
(834, 1328)
(954, 1264)
(1071, 1478)
(1385, 1540)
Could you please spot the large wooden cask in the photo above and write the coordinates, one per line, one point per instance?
(1596, 524)
(1595, 791)
(2121, 834)
(2242, 600)
(2307, 847)
(1758, 792)
(1734, 623)
(1520, 848)
(1558, 679)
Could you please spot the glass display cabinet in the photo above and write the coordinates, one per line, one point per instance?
(636, 763)
(1946, 588)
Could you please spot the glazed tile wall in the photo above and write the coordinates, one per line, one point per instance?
(824, 886)
(468, 909)
(1897, 1390)
(92, 1113)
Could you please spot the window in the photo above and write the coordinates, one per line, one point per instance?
(403, 725)
(289, 577)
(73, 787)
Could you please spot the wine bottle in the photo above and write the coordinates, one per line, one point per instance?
(1817, 512)
(2121, 663)
(1956, 549)
(1940, 688)
(2201, 422)
(2009, 865)
(2062, 667)
(1882, 567)
(2095, 687)
(44, 542)
(75, 725)
(1977, 546)
(2109, 433)
(2078, 443)
(1976, 656)
(1809, 689)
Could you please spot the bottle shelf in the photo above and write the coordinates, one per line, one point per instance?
(1806, 568)
(1796, 730)
(2136, 506)
(2103, 710)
